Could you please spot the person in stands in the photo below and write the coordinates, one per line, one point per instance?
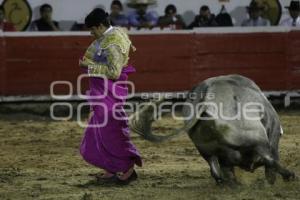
(116, 16)
(45, 23)
(255, 11)
(294, 19)
(171, 18)
(204, 19)
(140, 17)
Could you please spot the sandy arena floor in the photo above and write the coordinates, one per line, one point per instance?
(39, 159)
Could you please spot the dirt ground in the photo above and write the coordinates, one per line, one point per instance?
(39, 159)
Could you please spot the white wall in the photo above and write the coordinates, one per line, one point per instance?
(76, 10)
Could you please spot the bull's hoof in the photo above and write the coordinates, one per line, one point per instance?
(290, 177)
(270, 176)
(232, 184)
(271, 181)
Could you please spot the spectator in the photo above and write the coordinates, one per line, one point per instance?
(294, 19)
(5, 25)
(116, 16)
(204, 19)
(224, 18)
(255, 11)
(45, 23)
(140, 18)
(171, 19)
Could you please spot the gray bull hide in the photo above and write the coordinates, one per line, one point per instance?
(224, 135)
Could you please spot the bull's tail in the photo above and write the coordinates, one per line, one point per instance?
(141, 123)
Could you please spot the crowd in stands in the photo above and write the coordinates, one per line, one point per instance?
(141, 18)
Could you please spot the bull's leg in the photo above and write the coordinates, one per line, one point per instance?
(286, 174)
(215, 169)
(229, 176)
(224, 175)
(270, 175)
(228, 159)
(222, 170)
(272, 164)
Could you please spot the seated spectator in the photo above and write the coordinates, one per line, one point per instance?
(5, 25)
(255, 11)
(204, 19)
(171, 19)
(116, 16)
(294, 19)
(140, 18)
(45, 23)
(224, 18)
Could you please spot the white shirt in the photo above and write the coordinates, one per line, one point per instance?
(259, 22)
(289, 22)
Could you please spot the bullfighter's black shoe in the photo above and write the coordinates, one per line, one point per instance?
(131, 178)
(107, 179)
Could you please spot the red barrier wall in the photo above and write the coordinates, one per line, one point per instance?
(33, 63)
(2, 66)
(164, 62)
(257, 56)
(293, 60)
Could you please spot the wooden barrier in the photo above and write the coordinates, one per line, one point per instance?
(164, 62)
(293, 60)
(33, 63)
(2, 66)
(257, 56)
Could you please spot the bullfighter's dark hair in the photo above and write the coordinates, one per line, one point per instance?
(96, 17)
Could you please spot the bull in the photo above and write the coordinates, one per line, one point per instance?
(224, 137)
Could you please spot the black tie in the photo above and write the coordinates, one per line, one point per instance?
(294, 22)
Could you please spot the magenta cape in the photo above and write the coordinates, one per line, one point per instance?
(109, 147)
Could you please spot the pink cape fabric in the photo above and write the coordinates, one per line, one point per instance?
(109, 147)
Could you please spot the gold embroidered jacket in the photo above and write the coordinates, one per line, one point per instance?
(108, 55)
